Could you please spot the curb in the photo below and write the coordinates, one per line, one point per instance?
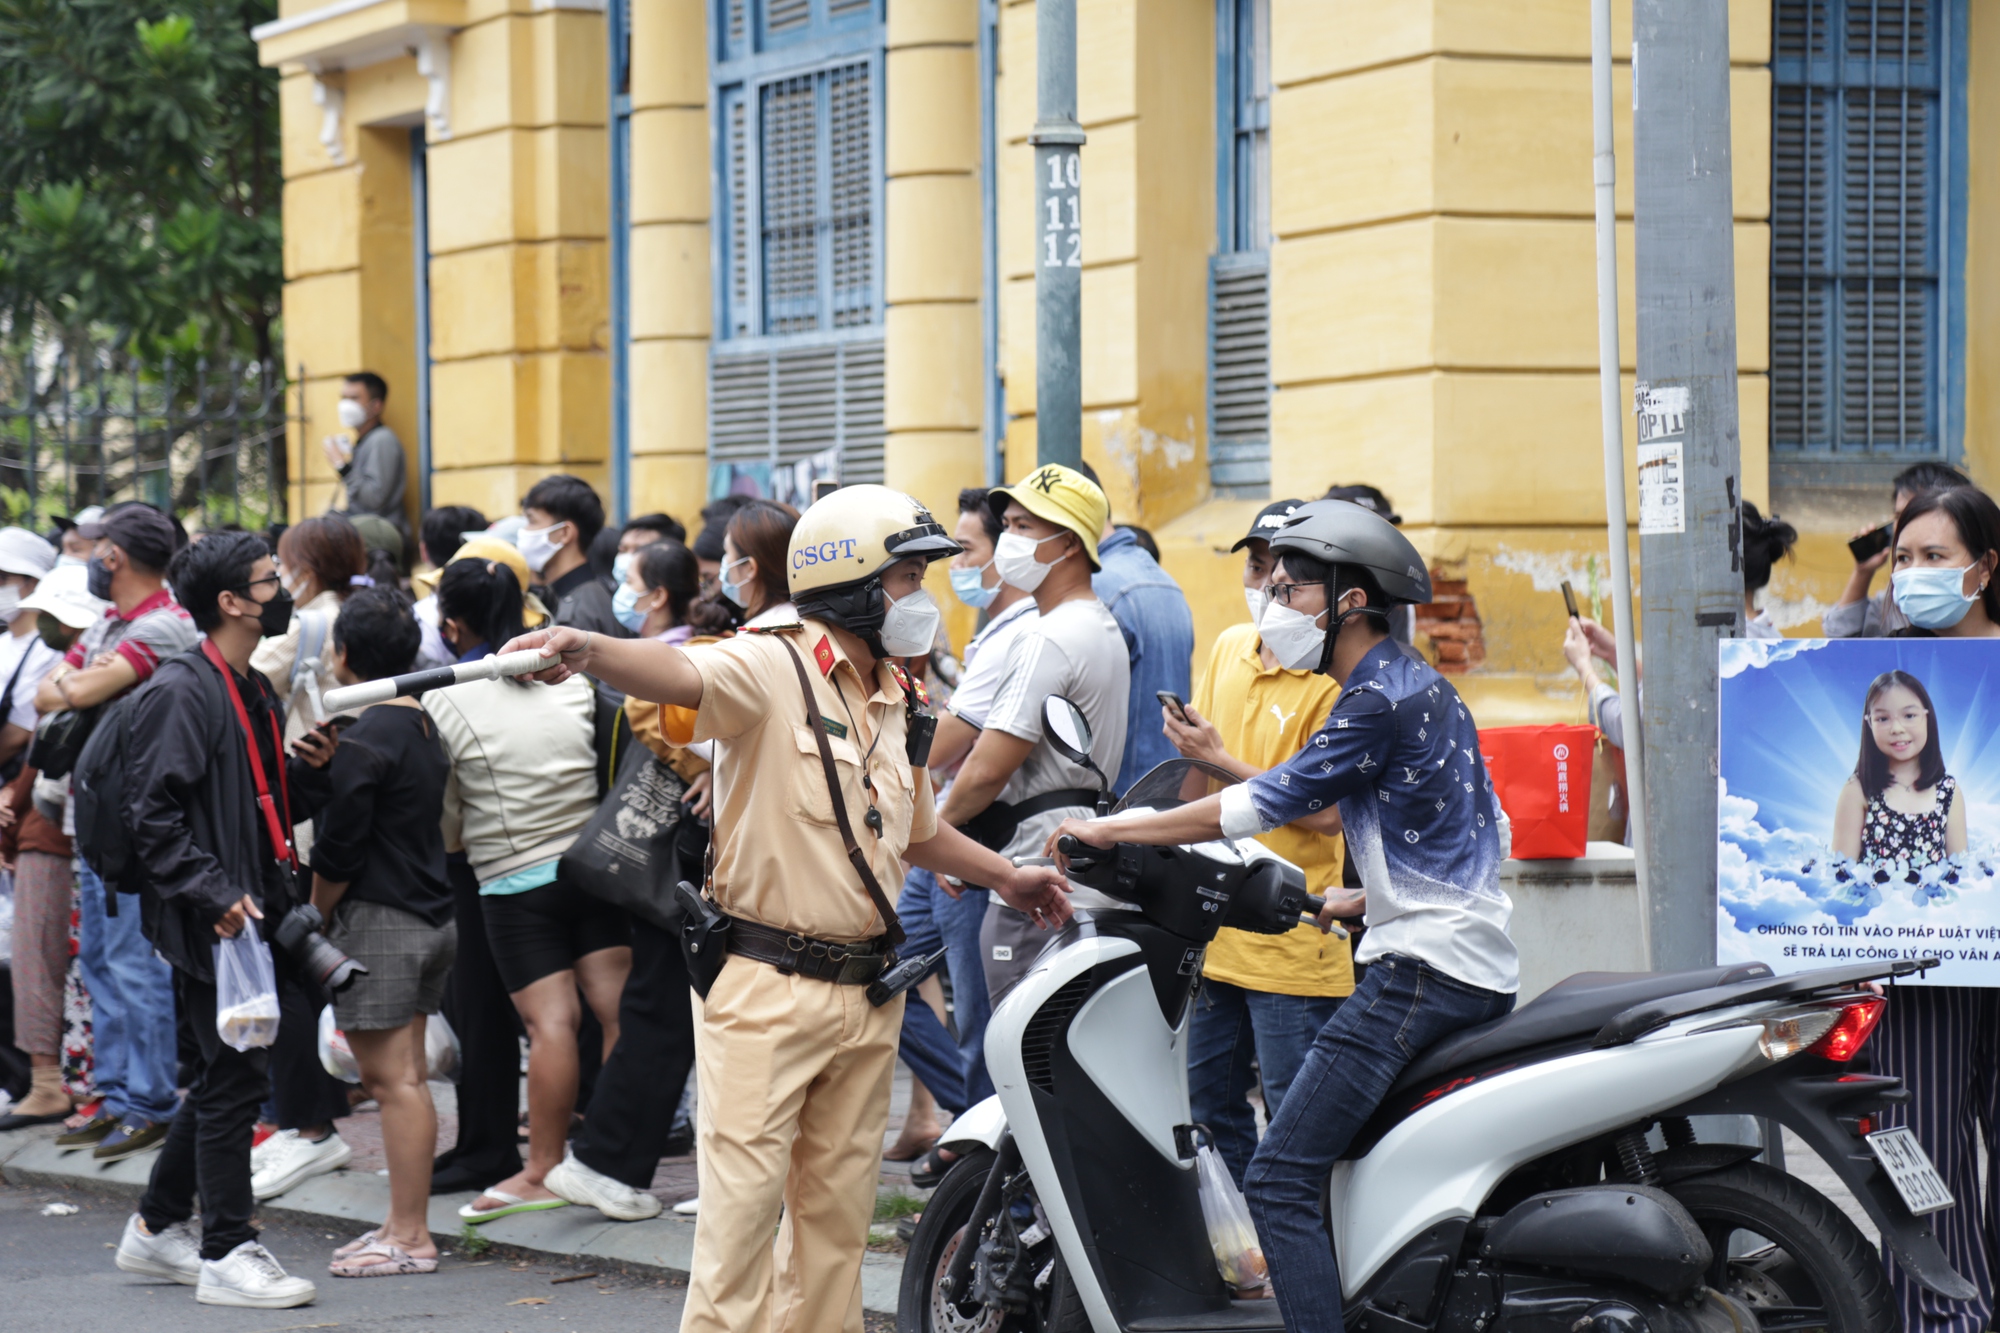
(664, 1243)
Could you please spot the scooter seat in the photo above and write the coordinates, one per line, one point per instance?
(1574, 1008)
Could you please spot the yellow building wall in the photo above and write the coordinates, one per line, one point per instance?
(1144, 71)
(672, 291)
(1434, 305)
(518, 259)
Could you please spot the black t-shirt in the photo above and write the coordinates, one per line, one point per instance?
(380, 832)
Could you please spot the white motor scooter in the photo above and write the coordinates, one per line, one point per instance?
(1538, 1173)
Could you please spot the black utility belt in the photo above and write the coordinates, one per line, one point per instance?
(859, 964)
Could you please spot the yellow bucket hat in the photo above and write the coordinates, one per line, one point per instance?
(533, 614)
(1062, 496)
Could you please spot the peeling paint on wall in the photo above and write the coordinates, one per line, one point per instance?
(1549, 570)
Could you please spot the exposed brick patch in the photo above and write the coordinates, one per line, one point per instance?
(1448, 626)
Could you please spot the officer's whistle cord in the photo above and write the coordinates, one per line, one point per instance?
(873, 819)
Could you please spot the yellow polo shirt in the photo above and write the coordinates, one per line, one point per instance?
(1265, 715)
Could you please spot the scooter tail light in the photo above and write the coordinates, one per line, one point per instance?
(1850, 1031)
(1788, 1034)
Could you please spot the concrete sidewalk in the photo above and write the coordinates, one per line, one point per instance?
(29, 1156)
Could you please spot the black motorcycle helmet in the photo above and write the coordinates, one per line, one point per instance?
(1361, 549)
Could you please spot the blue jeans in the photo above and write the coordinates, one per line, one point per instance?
(1401, 1007)
(1231, 1025)
(131, 1005)
(955, 1072)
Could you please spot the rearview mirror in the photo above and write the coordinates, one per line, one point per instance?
(1067, 729)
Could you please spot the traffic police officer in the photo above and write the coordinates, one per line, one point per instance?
(795, 1062)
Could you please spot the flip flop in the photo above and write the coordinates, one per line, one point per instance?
(928, 1170)
(394, 1262)
(355, 1246)
(509, 1205)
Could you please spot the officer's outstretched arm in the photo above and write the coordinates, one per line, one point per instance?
(638, 667)
(1040, 891)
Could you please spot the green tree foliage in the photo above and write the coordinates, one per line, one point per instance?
(139, 174)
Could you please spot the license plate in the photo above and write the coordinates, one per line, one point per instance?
(1908, 1165)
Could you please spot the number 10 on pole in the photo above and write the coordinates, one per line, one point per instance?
(1062, 213)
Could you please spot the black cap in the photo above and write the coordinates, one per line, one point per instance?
(139, 530)
(1367, 497)
(1269, 519)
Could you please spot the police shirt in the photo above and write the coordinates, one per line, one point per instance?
(1400, 755)
(779, 860)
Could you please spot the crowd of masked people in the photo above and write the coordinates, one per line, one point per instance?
(177, 780)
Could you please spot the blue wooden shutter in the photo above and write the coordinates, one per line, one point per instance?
(1856, 220)
(1239, 313)
(795, 376)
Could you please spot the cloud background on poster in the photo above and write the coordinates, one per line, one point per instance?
(1791, 732)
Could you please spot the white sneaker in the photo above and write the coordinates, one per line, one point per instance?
(688, 1207)
(284, 1160)
(572, 1180)
(174, 1254)
(249, 1276)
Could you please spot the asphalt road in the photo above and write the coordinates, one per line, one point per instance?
(53, 1267)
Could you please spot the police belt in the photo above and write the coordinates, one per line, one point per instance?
(994, 827)
(858, 964)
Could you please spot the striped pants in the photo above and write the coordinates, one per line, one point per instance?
(1944, 1043)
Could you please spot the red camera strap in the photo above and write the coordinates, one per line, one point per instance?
(278, 826)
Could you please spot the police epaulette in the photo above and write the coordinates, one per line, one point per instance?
(771, 629)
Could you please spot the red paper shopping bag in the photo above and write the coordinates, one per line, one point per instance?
(1542, 777)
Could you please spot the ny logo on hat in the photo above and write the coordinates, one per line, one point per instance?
(1047, 479)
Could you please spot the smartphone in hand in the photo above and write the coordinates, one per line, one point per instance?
(1172, 703)
(1569, 601)
(1870, 544)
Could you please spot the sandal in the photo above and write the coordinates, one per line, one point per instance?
(355, 1246)
(928, 1170)
(394, 1262)
(509, 1205)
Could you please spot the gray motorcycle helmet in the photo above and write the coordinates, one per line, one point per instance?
(1340, 532)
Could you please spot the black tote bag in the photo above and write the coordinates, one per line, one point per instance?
(640, 843)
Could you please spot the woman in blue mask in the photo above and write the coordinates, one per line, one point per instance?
(1947, 548)
(754, 551)
(1944, 1041)
(661, 582)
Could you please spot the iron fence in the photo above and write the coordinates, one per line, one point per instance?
(203, 439)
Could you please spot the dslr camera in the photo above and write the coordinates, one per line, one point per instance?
(299, 934)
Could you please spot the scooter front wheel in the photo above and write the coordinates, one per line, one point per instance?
(922, 1308)
(1783, 1248)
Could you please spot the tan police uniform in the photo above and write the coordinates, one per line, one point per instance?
(795, 1072)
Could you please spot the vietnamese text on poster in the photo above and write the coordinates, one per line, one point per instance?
(1860, 804)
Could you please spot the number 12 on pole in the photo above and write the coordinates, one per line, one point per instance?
(1062, 222)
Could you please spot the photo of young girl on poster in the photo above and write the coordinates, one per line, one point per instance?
(1897, 810)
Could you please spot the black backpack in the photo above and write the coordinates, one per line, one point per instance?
(97, 791)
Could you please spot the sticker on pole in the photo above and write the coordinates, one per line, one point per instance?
(1662, 411)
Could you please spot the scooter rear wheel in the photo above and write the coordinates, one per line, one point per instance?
(1799, 1261)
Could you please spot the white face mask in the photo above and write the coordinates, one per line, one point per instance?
(910, 626)
(1294, 638)
(352, 414)
(1256, 599)
(535, 546)
(10, 602)
(1014, 555)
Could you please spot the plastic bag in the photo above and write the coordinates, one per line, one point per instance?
(442, 1054)
(246, 990)
(1231, 1234)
